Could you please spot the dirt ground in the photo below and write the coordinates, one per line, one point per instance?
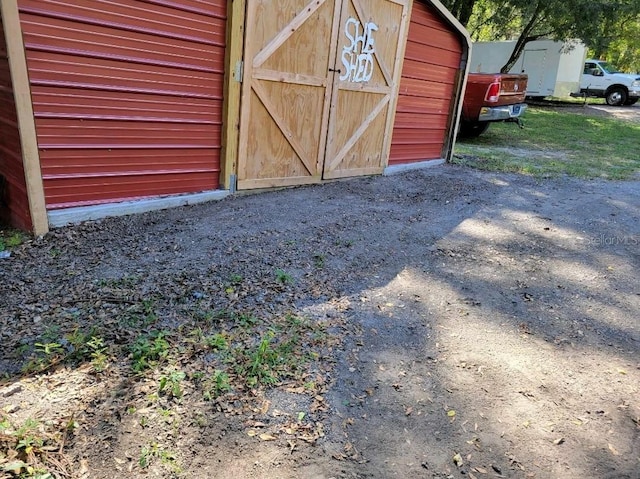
(631, 113)
(627, 113)
(480, 325)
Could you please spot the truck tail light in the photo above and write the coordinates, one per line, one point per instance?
(493, 92)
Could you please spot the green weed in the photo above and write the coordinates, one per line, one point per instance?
(11, 239)
(75, 347)
(154, 451)
(218, 384)
(217, 342)
(319, 260)
(203, 315)
(234, 281)
(141, 315)
(246, 321)
(32, 450)
(46, 355)
(171, 384)
(50, 349)
(149, 350)
(283, 278)
(97, 353)
(295, 322)
(265, 363)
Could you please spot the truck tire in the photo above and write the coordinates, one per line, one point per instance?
(616, 96)
(631, 101)
(472, 129)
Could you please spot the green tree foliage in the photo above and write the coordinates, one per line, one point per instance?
(609, 27)
(461, 9)
(619, 42)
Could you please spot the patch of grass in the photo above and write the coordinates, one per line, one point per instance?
(217, 342)
(554, 143)
(254, 354)
(262, 362)
(277, 354)
(202, 314)
(574, 101)
(283, 277)
(51, 333)
(11, 238)
(246, 321)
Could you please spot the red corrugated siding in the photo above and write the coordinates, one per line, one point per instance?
(127, 96)
(14, 203)
(432, 60)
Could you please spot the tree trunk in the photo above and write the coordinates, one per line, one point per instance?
(462, 10)
(523, 39)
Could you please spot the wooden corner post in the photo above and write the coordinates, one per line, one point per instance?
(236, 11)
(24, 111)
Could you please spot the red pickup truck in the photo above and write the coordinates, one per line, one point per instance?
(491, 97)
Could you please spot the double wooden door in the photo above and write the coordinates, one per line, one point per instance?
(320, 83)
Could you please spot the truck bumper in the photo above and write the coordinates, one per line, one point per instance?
(500, 113)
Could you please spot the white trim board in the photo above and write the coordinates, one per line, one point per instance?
(67, 216)
(396, 169)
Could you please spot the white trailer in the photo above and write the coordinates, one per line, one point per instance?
(554, 68)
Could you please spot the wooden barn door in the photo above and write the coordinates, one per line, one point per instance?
(319, 82)
(288, 54)
(370, 52)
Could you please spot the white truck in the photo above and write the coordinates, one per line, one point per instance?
(602, 80)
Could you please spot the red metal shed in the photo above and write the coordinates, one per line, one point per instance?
(127, 96)
(14, 202)
(434, 67)
(117, 106)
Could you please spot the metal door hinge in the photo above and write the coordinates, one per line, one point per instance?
(238, 71)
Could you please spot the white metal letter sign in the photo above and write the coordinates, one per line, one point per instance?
(357, 57)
